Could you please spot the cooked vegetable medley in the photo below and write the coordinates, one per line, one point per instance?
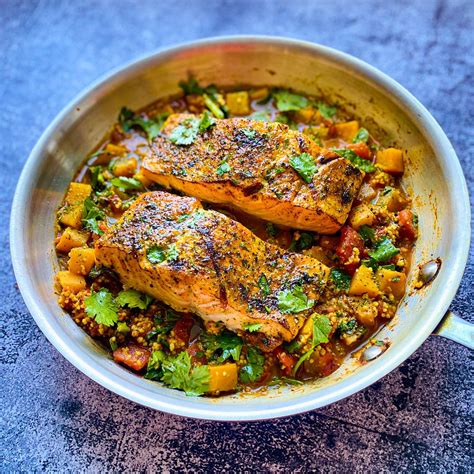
(225, 241)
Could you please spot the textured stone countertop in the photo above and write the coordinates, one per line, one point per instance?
(418, 418)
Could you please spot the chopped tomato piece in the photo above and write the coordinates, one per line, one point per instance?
(182, 329)
(350, 240)
(407, 224)
(196, 353)
(360, 149)
(285, 359)
(132, 355)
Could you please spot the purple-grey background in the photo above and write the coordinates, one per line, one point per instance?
(418, 418)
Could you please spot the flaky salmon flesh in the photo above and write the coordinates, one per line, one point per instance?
(203, 262)
(257, 178)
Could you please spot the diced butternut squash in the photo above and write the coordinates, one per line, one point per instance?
(70, 239)
(361, 215)
(116, 150)
(347, 130)
(125, 167)
(81, 260)
(238, 102)
(223, 378)
(306, 115)
(390, 161)
(392, 199)
(71, 281)
(363, 282)
(366, 313)
(71, 212)
(259, 94)
(320, 254)
(391, 281)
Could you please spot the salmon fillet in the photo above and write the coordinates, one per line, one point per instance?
(259, 179)
(210, 265)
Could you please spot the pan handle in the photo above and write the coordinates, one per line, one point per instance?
(456, 329)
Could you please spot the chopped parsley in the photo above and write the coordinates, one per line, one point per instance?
(305, 166)
(133, 299)
(156, 254)
(341, 279)
(287, 101)
(223, 167)
(383, 250)
(151, 126)
(321, 330)
(356, 160)
(101, 306)
(326, 111)
(361, 136)
(91, 216)
(263, 285)
(294, 300)
(223, 346)
(252, 327)
(252, 371)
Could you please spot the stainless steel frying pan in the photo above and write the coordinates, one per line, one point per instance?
(434, 176)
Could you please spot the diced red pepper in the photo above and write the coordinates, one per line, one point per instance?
(182, 329)
(349, 240)
(286, 360)
(407, 225)
(360, 149)
(132, 355)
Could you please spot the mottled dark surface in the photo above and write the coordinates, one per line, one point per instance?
(54, 418)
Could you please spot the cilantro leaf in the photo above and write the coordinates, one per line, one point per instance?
(305, 166)
(294, 300)
(97, 179)
(153, 370)
(126, 184)
(151, 126)
(207, 121)
(367, 234)
(326, 111)
(347, 327)
(186, 132)
(286, 100)
(91, 215)
(191, 87)
(223, 167)
(156, 254)
(356, 160)
(179, 373)
(252, 327)
(263, 285)
(252, 371)
(384, 250)
(163, 324)
(272, 231)
(260, 116)
(341, 279)
(101, 306)
(305, 241)
(223, 346)
(361, 136)
(133, 299)
(249, 133)
(282, 118)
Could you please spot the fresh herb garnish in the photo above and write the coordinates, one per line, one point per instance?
(356, 160)
(347, 327)
(326, 111)
(383, 250)
(126, 184)
(223, 346)
(91, 216)
(253, 370)
(151, 126)
(263, 285)
(272, 231)
(188, 130)
(156, 254)
(97, 178)
(260, 116)
(286, 100)
(305, 166)
(321, 330)
(101, 306)
(223, 167)
(122, 327)
(252, 327)
(294, 300)
(153, 370)
(361, 136)
(341, 279)
(163, 324)
(367, 234)
(249, 133)
(305, 241)
(133, 299)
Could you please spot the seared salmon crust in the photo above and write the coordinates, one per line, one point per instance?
(257, 177)
(203, 262)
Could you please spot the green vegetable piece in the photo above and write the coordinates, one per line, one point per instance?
(179, 373)
(356, 160)
(341, 279)
(294, 300)
(305, 241)
(126, 184)
(367, 234)
(153, 370)
(326, 111)
(186, 132)
(384, 250)
(347, 327)
(97, 179)
(151, 126)
(252, 327)
(223, 346)
(133, 299)
(101, 306)
(213, 106)
(122, 327)
(263, 285)
(305, 166)
(286, 100)
(253, 370)
(361, 136)
(191, 87)
(91, 216)
(207, 121)
(113, 343)
(260, 116)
